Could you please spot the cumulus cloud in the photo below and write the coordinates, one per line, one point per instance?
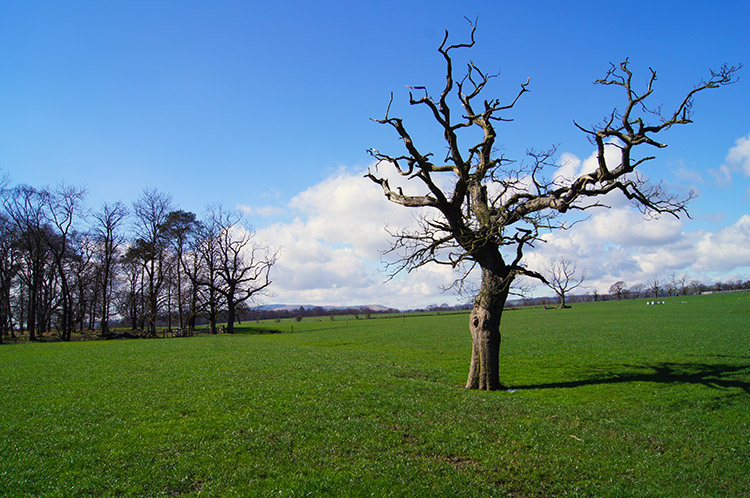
(618, 244)
(725, 249)
(739, 155)
(628, 226)
(571, 167)
(331, 250)
(335, 235)
(737, 160)
(349, 209)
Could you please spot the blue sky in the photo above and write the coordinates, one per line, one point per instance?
(267, 106)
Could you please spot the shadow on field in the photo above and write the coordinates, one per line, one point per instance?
(715, 376)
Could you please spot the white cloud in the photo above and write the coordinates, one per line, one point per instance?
(725, 249)
(571, 167)
(722, 176)
(618, 244)
(737, 160)
(627, 226)
(739, 155)
(349, 209)
(262, 211)
(331, 251)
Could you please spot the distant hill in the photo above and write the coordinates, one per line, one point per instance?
(294, 307)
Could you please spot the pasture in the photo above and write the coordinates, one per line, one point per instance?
(605, 399)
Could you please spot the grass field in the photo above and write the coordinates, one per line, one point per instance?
(604, 399)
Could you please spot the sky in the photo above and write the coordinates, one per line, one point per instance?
(267, 107)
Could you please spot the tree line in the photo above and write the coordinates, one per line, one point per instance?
(66, 268)
(672, 286)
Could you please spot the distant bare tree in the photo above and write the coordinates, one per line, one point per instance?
(654, 286)
(244, 263)
(85, 275)
(561, 278)
(193, 267)
(637, 290)
(24, 206)
(63, 206)
(180, 227)
(207, 270)
(696, 286)
(683, 283)
(618, 289)
(490, 209)
(673, 284)
(131, 301)
(9, 267)
(109, 220)
(151, 212)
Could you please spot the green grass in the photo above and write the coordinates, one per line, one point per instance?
(606, 399)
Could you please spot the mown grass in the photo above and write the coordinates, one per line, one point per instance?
(604, 399)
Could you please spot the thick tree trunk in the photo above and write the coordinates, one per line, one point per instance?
(231, 312)
(484, 323)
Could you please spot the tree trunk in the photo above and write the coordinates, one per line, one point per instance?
(180, 311)
(484, 323)
(32, 313)
(104, 325)
(230, 314)
(212, 310)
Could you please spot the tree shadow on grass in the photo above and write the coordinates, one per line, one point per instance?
(714, 375)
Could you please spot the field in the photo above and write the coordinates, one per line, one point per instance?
(604, 399)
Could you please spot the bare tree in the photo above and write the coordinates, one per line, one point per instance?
(132, 300)
(637, 290)
(494, 209)
(696, 286)
(654, 286)
(618, 289)
(9, 267)
(25, 207)
(207, 271)
(84, 277)
(151, 214)
(673, 284)
(180, 227)
(64, 205)
(193, 268)
(561, 278)
(244, 263)
(108, 221)
(683, 281)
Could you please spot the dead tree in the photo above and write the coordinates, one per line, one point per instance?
(493, 208)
